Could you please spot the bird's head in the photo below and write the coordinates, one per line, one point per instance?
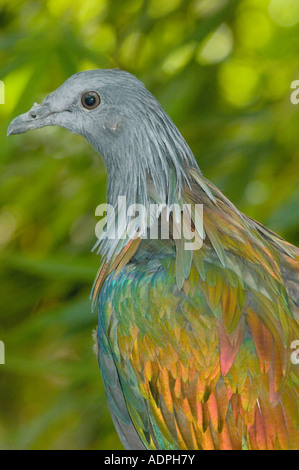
(96, 104)
(121, 119)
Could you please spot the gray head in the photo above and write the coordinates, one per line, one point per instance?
(122, 120)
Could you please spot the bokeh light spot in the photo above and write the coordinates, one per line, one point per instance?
(238, 82)
(158, 9)
(284, 12)
(84, 11)
(101, 37)
(216, 47)
(135, 51)
(208, 7)
(8, 225)
(15, 84)
(178, 59)
(254, 28)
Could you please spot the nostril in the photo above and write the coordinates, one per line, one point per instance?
(32, 114)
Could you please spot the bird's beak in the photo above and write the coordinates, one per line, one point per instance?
(37, 116)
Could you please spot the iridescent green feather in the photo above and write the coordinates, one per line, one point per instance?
(201, 340)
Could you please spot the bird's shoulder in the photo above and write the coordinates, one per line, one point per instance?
(216, 344)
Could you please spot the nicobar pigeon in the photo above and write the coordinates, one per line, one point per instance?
(194, 346)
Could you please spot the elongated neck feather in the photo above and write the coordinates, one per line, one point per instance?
(151, 159)
(154, 151)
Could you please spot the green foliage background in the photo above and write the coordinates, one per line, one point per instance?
(222, 70)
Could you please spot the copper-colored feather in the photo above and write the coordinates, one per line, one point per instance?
(203, 342)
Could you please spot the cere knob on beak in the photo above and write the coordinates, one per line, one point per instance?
(37, 116)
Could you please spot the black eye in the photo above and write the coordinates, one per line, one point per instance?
(90, 99)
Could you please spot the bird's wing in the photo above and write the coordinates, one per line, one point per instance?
(116, 401)
(202, 343)
(204, 367)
